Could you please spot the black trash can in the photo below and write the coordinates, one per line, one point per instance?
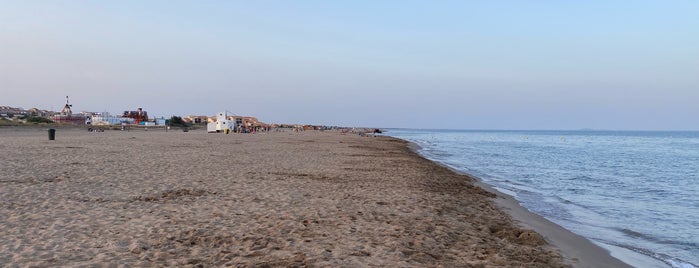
(52, 134)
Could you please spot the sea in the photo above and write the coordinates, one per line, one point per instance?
(635, 193)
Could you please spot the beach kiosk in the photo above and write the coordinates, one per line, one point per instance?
(222, 124)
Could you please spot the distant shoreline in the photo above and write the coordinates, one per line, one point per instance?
(543, 130)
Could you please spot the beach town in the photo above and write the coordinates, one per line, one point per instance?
(225, 121)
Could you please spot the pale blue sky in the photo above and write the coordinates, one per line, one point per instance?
(426, 64)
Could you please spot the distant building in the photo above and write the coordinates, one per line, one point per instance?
(161, 121)
(139, 115)
(7, 111)
(236, 123)
(66, 115)
(107, 119)
(246, 121)
(221, 124)
(197, 119)
(40, 113)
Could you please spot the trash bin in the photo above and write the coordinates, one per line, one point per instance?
(52, 134)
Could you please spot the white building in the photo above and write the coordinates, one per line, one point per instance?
(107, 119)
(221, 124)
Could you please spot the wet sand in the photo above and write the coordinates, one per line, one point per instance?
(280, 199)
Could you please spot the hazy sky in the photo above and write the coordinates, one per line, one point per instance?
(426, 64)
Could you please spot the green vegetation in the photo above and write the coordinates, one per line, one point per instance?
(177, 121)
(38, 119)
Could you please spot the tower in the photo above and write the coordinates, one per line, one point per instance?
(66, 111)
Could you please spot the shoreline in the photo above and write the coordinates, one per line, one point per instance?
(280, 199)
(576, 250)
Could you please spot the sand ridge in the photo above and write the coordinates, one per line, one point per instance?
(280, 199)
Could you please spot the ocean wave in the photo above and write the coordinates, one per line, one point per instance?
(666, 259)
(636, 234)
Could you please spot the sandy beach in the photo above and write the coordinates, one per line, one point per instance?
(156, 198)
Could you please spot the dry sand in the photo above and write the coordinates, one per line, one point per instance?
(280, 199)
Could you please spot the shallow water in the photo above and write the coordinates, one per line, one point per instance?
(632, 189)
